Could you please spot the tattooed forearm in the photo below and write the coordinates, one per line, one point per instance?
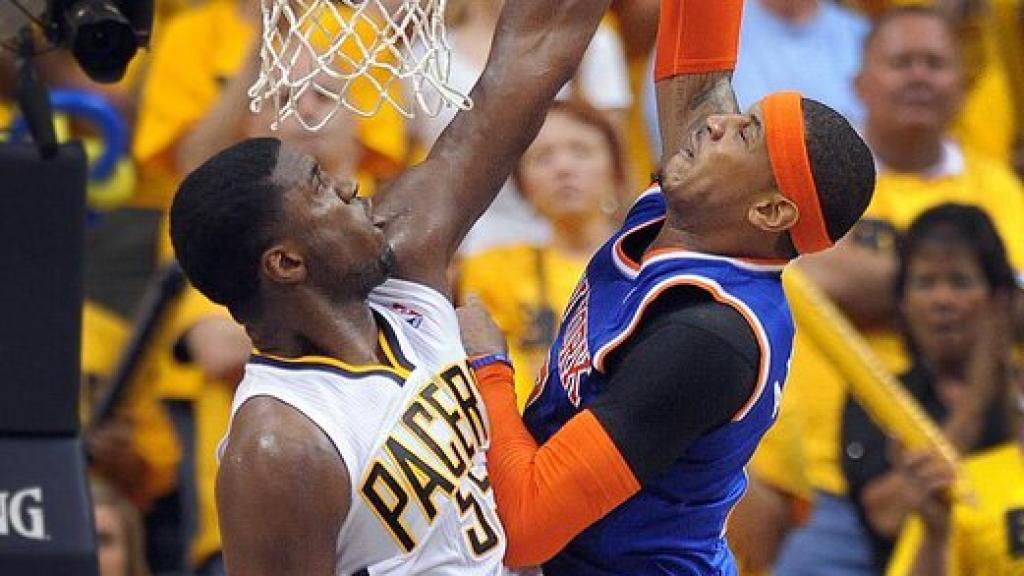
(685, 101)
(717, 98)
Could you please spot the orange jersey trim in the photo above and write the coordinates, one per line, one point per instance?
(620, 253)
(719, 295)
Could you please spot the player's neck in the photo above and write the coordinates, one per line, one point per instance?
(316, 326)
(905, 151)
(709, 237)
(677, 235)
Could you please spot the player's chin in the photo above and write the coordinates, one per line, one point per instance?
(673, 185)
(676, 168)
(373, 272)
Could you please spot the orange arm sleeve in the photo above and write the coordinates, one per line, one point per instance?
(547, 495)
(697, 36)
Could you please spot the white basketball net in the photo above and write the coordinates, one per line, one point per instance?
(355, 53)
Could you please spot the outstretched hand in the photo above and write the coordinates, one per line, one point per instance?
(480, 334)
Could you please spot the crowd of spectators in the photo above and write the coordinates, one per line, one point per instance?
(931, 276)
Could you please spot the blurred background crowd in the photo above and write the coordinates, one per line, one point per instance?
(931, 277)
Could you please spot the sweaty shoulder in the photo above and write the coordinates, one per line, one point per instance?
(282, 487)
(267, 429)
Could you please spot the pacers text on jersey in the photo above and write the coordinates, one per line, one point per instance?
(432, 455)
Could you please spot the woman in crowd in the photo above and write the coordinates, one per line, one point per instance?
(954, 287)
(982, 535)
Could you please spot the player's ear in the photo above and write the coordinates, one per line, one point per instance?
(283, 264)
(773, 212)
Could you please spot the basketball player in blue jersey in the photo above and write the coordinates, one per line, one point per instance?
(671, 355)
(357, 438)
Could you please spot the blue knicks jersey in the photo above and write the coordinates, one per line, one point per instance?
(676, 523)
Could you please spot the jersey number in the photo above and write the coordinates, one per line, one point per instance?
(389, 498)
(480, 544)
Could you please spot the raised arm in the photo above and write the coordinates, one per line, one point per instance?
(696, 53)
(430, 208)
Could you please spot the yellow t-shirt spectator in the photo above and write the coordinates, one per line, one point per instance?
(966, 178)
(193, 57)
(526, 289)
(988, 536)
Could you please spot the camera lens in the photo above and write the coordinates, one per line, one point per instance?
(101, 39)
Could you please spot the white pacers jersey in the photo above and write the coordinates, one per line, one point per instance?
(413, 436)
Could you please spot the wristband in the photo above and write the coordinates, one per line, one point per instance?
(697, 37)
(478, 362)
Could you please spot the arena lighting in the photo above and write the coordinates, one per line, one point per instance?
(103, 35)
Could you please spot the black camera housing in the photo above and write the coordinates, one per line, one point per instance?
(103, 35)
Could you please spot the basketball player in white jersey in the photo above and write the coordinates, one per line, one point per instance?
(357, 439)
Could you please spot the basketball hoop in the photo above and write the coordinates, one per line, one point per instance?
(355, 53)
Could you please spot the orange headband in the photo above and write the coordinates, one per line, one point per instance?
(784, 129)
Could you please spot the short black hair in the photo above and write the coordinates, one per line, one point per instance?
(841, 164)
(949, 225)
(222, 219)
